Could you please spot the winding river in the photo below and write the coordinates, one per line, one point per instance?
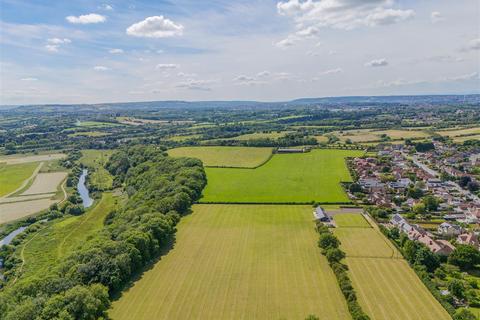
(83, 190)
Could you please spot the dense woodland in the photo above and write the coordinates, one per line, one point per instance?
(161, 190)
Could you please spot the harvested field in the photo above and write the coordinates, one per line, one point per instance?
(46, 183)
(301, 177)
(388, 289)
(27, 198)
(244, 157)
(386, 286)
(459, 132)
(16, 159)
(17, 210)
(238, 262)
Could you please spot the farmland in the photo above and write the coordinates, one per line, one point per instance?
(243, 157)
(28, 158)
(59, 238)
(386, 285)
(13, 176)
(313, 176)
(234, 261)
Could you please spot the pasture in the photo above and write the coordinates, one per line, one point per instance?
(59, 238)
(459, 132)
(260, 135)
(242, 157)
(99, 177)
(238, 262)
(386, 286)
(313, 176)
(96, 124)
(13, 176)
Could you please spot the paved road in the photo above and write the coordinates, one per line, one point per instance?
(451, 183)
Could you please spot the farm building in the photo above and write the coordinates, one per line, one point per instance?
(320, 215)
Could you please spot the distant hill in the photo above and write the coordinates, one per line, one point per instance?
(326, 101)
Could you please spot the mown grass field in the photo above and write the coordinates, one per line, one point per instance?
(387, 287)
(12, 176)
(96, 159)
(313, 176)
(60, 238)
(459, 132)
(243, 157)
(238, 262)
(261, 135)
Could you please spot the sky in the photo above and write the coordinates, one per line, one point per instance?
(90, 51)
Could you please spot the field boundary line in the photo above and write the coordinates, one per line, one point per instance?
(26, 181)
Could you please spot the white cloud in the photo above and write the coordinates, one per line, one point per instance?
(87, 18)
(166, 66)
(155, 27)
(29, 79)
(287, 42)
(186, 75)
(377, 63)
(332, 71)
(100, 68)
(343, 14)
(54, 44)
(263, 74)
(192, 84)
(116, 51)
(307, 32)
(462, 77)
(106, 7)
(474, 44)
(436, 16)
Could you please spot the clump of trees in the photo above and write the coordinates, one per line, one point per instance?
(161, 189)
(330, 246)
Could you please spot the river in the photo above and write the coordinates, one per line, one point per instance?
(83, 190)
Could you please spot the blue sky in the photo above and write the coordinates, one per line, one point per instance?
(106, 51)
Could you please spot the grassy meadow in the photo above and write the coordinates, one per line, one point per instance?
(100, 178)
(12, 176)
(313, 176)
(238, 262)
(242, 157)
(60, 238)
(387, 287)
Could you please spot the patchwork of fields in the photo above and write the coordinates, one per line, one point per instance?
(386, 285)
(24, 190)
(238, 262)
(313, 176)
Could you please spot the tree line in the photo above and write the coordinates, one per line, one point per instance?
(160, 190)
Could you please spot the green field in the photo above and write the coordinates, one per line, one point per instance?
(238, 262)
(12, 176)
(97, 124)
(386, 286)
(242, 157)
(260, 135)
(313, 176)
(100, 178)
(60, 238)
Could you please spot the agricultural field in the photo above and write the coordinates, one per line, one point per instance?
(459, 132)
(22, 158)
(369, 135)
(260, 135)
(45, 183)
(100, 178)
(12, 211)
(386, 286)
(13, 176)
(306, 177)
(60, 238)
(242, 157)
(96, 124)
(89, 134)
(465, 138)
(181, 138)
(238, 262)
